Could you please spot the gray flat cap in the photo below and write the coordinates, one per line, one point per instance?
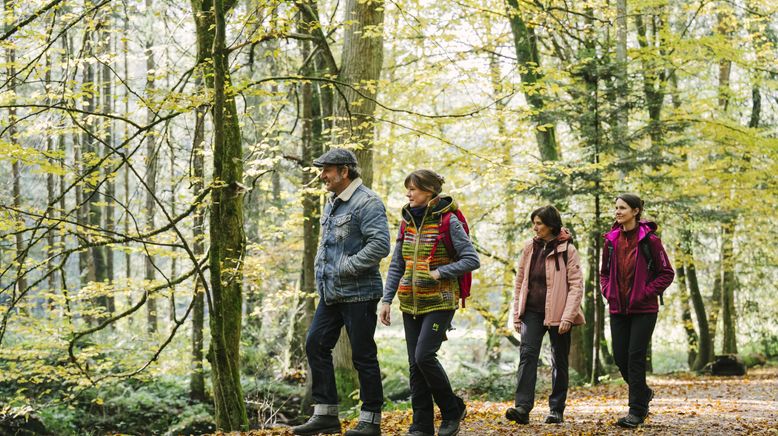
(336, 156)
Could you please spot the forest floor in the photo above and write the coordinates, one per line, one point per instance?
(683, 404)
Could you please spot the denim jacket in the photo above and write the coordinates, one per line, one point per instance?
(354, 239)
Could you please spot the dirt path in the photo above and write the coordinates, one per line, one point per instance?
(682, 405)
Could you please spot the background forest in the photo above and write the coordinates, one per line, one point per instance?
(159, 210)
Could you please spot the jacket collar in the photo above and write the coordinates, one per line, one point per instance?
(350, 190)
(644, 228)
(437, 206)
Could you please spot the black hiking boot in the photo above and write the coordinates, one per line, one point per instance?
(450, 427)
(318, 424)
(414, 432)
(517, 414)
(364, 428)
(554, 418)
(630, 421)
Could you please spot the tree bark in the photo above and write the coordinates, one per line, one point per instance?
(93, 210)
(204, 24)
(361, 62)
(126, 182)
(10, 57)
(151, 176)
(197, 380)
(51, 191)
(692, 339)
(312, 145)
(654, 77)
(227, 238)
(728, 285)
(526, 45)
(705, 352)
(106, 42)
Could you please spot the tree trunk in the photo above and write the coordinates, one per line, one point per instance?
(92, 200)
(621, 110)
(311, 147)
(361, 63)
(197, 380)
(654, 76)
(692, 339)
(715, 312)
(526, 46)
(151, 177)
(321, 107)
(51, 201)
(581, 346)
(126, 134)
(728, 315)
(227, 238)
(110, 184)
(10, 56)
(705, 352)
(204, 25)
(727, 259)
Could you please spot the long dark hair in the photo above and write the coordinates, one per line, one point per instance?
(549, 216)
(634, 202)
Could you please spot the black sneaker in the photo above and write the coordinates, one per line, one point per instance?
(450, 427)
(365, 428)
(630, 421)
(318, 424)
(517, 414)
(554, 418)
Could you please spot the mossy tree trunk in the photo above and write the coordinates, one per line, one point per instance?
(227, 237)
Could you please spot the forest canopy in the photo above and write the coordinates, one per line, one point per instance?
(159, 207)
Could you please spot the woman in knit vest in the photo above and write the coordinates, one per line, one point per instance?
(547, 298)
(425, 275)
(635, 272)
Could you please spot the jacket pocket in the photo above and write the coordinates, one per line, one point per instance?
(423, 278)
(645, 299)
(341, 226)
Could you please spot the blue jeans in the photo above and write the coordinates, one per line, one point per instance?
(360, 320)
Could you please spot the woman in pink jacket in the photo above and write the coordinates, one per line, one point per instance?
(635, 271)
(547, 298)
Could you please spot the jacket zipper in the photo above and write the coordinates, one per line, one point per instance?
(415, 259)
(637, 258)
(615, 275)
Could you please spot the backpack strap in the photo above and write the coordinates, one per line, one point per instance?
(645, 250)
(444, 232)
(403, 225)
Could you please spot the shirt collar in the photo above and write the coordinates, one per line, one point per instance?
(350, 189)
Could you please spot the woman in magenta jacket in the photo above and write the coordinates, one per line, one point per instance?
(634, 273)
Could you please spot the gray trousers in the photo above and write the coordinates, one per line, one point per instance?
(532, 331)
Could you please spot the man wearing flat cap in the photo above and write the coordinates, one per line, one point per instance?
(354, 239)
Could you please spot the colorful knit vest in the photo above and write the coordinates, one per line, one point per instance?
(418, 292)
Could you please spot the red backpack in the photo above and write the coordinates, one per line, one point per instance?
(444, 234)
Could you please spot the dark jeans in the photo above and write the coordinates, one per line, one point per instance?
(360, 320)
(631, 335)
(532, 331)
(423, 336)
